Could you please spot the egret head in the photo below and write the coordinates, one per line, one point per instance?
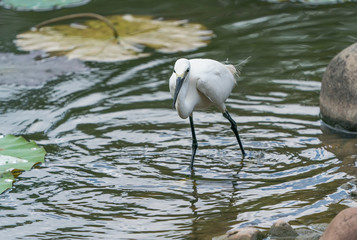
(181, 69)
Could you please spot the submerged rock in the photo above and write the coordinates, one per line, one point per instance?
(350, 187)
(282, 229)
(343, 226)
(311, 232)
(346, 186)
(353, 194)
(248, 233)
(338, 96)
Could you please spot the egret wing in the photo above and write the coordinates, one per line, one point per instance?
(216, 84)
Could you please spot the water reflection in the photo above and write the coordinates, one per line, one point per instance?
(343, 146)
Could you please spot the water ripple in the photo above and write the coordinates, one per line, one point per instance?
(118, 162)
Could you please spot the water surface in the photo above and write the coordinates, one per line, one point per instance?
(118, 155)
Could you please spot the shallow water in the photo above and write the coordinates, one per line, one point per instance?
(118, 155)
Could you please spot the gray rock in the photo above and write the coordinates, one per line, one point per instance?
(248, 233)
(346, 186)
(343, 226)
(282, 229)
(353, 181)
(307, 234)
(353, 194)
(311, 232)
(338, 96)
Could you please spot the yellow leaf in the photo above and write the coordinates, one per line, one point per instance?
(93, 40)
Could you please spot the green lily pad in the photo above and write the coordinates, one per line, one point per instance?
(40, 5)
(17, 154)
(6, 180)
(93, 40)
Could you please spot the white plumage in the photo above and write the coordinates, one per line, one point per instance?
(201, 83)
(208, 82)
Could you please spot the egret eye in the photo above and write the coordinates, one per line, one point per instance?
(174, 71)
(187, 70)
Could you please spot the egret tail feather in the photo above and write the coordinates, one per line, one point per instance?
(240, 65)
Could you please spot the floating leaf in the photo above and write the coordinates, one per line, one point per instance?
(40, 5)
(34, 68)
(6, 180)
(93, 40)
(17, 154)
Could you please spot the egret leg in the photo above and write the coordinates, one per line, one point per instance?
(235, 130)
(194, 142)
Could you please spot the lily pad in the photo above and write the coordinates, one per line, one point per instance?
(6, 180)
(40, 5)
(35, 68)
(93, 40)
(17, 154)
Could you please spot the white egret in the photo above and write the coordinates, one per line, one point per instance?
(201, 83)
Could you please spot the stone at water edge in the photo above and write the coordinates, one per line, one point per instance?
(281, 228)
(247, 233)
(311, 232)
(343, 226)
(338, 96)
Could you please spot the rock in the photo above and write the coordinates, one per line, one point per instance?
(311, 232)
(305, 234)
(349, 186)
(248, 233)
(338, 96)
(353, 194)
(343, 226)
(282, 229)
(346, 186)
(353, 181)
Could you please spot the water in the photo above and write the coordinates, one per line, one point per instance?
(118, 155)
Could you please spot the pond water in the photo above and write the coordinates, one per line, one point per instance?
(118, 154)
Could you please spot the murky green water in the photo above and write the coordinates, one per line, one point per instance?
(118, 155)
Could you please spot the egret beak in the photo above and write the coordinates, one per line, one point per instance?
(179, 82)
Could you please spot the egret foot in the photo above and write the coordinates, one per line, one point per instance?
(235, 130)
